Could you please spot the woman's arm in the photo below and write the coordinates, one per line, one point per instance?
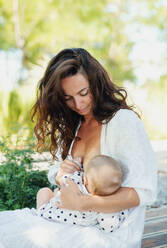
(128, 142)
(72, 198)
(124, 198)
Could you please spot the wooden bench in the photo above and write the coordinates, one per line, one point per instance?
(155, 230)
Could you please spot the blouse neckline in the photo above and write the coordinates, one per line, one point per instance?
(101, 139)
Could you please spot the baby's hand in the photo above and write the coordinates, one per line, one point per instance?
(66, 167)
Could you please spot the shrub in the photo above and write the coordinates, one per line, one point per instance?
(18, 182)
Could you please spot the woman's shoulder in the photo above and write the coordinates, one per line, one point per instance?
(124, 117)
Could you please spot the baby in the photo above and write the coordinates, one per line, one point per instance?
(102, 176)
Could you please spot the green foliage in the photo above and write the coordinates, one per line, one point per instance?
(157, 91)
(14, 107)
(18, 182)
(154, 113)
(15, 118)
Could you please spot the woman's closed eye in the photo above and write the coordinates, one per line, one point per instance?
(67, 98)
(84, 92)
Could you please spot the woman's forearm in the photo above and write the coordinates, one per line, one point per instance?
(124, 198)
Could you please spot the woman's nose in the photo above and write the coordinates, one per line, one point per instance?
(78, 103)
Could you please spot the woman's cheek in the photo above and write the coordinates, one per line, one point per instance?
(69, 104)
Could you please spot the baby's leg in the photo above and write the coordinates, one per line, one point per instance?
(43, 196)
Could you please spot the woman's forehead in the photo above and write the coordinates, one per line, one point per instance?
(73, 84)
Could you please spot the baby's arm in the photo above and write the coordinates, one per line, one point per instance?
(111, 222)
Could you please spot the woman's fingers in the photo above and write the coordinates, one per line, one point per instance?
(73, 185)
(71, 196)
(66, 167)
(69, 183)
(72, 163)
(69, 166)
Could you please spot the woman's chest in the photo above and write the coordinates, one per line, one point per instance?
(89, 143)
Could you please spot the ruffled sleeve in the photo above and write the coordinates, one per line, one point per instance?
(130, 145)
(53, 169)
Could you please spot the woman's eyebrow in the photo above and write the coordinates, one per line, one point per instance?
(78, 91)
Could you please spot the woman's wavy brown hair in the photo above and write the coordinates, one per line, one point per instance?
(54, 119)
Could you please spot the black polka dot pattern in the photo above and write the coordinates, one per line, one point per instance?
(105, 222)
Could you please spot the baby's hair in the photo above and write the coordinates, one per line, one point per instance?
(106, 174)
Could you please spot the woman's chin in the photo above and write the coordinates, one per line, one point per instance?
(83, 112)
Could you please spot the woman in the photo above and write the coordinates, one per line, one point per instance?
(84, 114)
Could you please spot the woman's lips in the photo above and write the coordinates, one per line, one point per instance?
(82, 110)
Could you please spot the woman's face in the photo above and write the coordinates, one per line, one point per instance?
(77, 94)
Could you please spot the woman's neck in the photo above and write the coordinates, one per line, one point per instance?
(89, 119)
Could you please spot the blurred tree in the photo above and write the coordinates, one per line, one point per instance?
(44, 27)
(14, 107)
(39, 29)
(154, 13)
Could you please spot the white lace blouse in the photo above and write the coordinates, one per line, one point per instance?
(125, 139)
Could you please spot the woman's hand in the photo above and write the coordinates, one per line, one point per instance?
(71, 197)
(66, 167)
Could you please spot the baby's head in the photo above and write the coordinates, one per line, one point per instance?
(103, 175)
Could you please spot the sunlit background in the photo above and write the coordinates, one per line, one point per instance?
(128, 37)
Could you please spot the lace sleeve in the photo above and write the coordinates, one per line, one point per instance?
(53, 169)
